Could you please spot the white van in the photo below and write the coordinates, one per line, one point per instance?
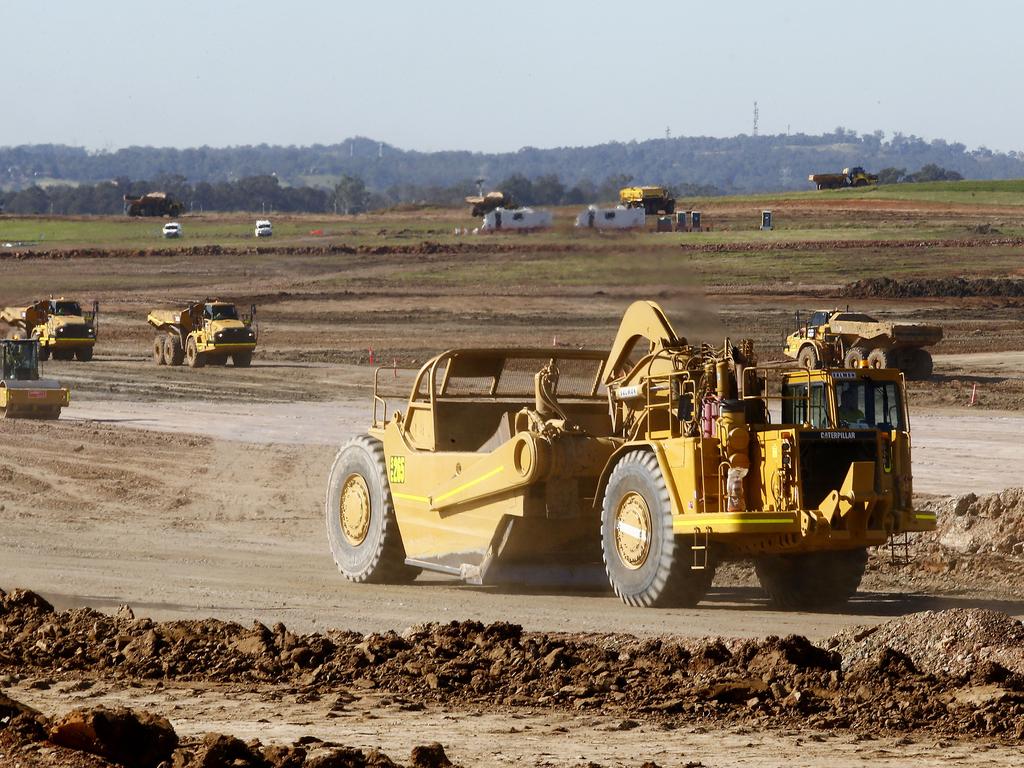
(263, 228)
(172, 229)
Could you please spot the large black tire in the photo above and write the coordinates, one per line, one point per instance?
(241, 359)
(83, 354)
(217, 360)
(808, 357)
(63, 354)
(812, 580)
(654, 568)
(880, 357)
(173, 353)
(917, 364)
(854, 356)
(192, 354)
(361, 525)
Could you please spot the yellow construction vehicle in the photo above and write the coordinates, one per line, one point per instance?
(59, 325)
(22, 393)
(653, 200)
(850, 177)
(659, 458)
(484, 204)
(205, 332)
(851, 339)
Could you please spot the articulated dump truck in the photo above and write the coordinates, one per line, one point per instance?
(23, 394)
(61, 327)
(204, 333)
(648, 464)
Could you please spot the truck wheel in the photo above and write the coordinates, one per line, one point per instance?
(158, 351)
(361, 525)
(83, 354)
(807, 357)
(917, 364)
(811, 580)
(880, 357)
(173, 353)
(646, 564)
(192, 354)
(241, 359)
(854, 357)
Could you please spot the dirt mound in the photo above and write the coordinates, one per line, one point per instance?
(99, 737)
(778, 680)
(972, 524)
(845, 245)
(957, 643)
(886, 287)
(426, 247)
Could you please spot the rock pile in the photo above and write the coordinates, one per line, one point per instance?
(101, 737)
(879, 679)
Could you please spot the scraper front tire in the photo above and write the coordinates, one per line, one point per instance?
(647, 564)
(361, 525)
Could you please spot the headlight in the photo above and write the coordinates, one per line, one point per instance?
(218, 335)
(251, 334)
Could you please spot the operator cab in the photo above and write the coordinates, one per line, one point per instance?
(63, 308)
(868, 400)
(220, 312)
(20, 360)
(819, 318)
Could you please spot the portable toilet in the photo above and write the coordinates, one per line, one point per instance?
(695, 221)
(766, 220)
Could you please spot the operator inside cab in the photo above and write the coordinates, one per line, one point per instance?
(864, 403)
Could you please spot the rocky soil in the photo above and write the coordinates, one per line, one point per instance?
(956, 673)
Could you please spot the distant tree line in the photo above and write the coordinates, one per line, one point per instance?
(930, 172)
(351, 194)
(734, 164)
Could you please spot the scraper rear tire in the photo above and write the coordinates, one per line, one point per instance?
(811, 581)
(646, 563)
(361, 525)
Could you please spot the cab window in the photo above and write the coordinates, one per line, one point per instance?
(795, 405)
(867, 404)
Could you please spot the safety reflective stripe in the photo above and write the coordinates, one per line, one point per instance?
(631, 530)
(469, 484)
(447, 494)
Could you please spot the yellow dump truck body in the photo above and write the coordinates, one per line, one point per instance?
(210, 331)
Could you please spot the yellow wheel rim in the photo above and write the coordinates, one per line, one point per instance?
(633, 530)
(355, 509)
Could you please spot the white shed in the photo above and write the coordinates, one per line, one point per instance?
(619, 217)
(516, 219)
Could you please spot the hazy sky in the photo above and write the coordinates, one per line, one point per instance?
(498, 76)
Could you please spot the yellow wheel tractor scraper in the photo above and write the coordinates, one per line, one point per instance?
(22, 393)
(657, 460)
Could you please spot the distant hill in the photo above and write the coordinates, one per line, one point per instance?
(740, 164)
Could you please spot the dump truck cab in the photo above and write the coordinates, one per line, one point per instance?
(656, 459)
(22, 392)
